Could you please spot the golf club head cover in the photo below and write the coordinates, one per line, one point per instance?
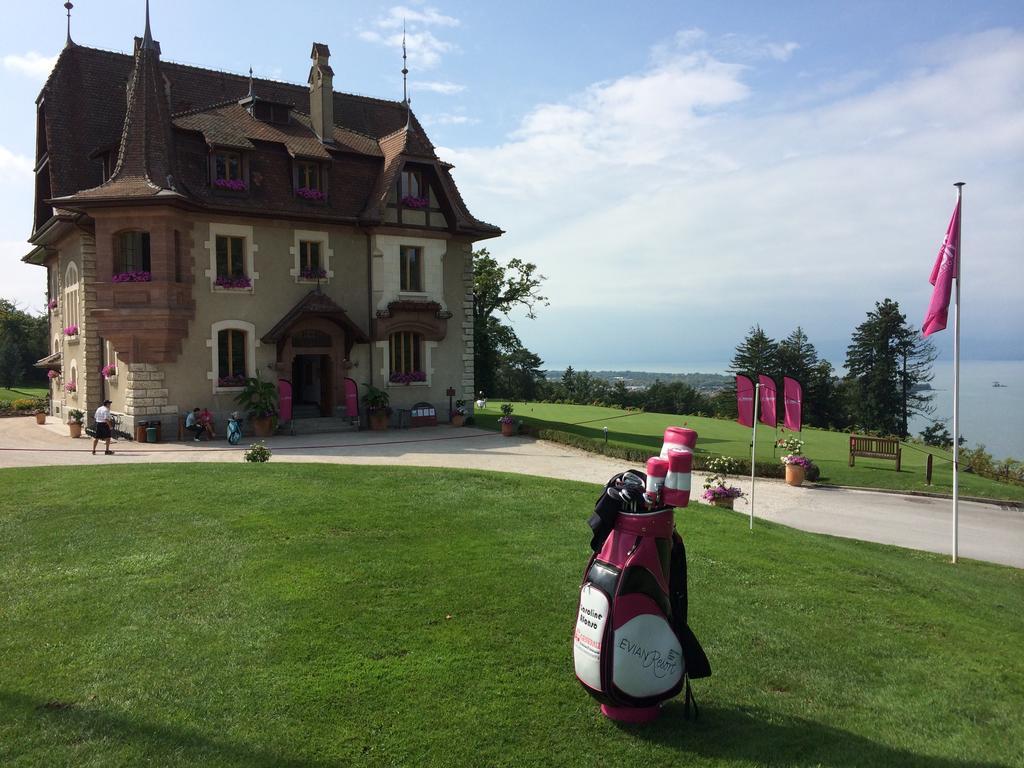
(657, 469)
(679, 439)
(676, 492)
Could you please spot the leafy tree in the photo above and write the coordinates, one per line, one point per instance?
(887, 362)
(11, 363)
(937, 434)
(497, 290)
(23, 340)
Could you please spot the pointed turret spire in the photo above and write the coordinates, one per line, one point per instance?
(252, 90)
(147, 38)
(69, 5)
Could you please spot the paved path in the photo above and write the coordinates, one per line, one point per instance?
(987, 531)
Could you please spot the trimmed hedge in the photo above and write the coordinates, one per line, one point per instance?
(639, 456)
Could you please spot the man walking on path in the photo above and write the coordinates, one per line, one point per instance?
(102, 418)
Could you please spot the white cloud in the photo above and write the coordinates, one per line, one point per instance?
(444, 88)
(424, 48)
(14, 167)
(657, 192)
(401, 15)
(32, 64)
(449, 118)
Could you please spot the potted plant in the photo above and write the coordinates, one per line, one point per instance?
(378, 407)
(75, 420)
(508, 423)
(259, 399)
(459, 414)
(717, 490)
(40, 415)
(796, 463)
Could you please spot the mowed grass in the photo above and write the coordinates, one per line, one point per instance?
(312, 615)
(829, 450)
(20, 393)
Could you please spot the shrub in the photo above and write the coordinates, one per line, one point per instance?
(28, 404)
(258, 453)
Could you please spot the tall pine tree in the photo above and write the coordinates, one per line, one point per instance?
(757, 353)
(886, 363)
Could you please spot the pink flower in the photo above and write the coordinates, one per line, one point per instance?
(410, 201)
(235, 185)
(310, 194)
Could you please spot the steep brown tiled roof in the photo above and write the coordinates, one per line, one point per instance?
(85, 107)
(146, 159)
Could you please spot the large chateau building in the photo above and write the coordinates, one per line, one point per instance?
(199, 227)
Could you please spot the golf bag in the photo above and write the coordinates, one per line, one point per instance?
(632, 647)
(234, 430)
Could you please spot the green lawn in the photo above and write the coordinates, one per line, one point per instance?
(829, 450)
(324, 615)
(23, 392)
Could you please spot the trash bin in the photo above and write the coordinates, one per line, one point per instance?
(140, 431)
(151, 435)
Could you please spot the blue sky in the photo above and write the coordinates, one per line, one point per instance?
(678, 171)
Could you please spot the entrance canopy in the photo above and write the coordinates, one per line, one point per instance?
(316, 305)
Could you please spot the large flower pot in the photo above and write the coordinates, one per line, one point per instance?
(75, 428)
(795, 474)
(40, 418)
(378, 420)
(508, 430)
(723, 503)
(262, 426)
(458, 420)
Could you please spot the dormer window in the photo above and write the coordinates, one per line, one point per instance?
(228, 171)
(309, 180)
(413, 192)
(270, 112)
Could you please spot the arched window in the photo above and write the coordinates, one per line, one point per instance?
(71, 314)
(131, 252)
(406, 353)
(232, 362)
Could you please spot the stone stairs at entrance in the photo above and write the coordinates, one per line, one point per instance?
(317, 426)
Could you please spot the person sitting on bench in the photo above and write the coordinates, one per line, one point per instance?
(193, 425)
(206, 419)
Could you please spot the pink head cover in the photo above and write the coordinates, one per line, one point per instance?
(657, 469)
(680, 439)
(676, 492)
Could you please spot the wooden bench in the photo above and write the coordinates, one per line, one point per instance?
(423, 415)
(876, 448)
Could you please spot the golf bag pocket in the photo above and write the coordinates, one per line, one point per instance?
(647, 658)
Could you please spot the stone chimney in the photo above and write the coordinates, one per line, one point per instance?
(321, 93)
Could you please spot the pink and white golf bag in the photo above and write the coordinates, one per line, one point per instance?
(632, 647)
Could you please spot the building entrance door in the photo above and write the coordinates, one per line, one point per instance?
(311, 379)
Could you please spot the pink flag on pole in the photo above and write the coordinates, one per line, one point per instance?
(792, 403)
(767, 400)
(942, 277)
(745, 401)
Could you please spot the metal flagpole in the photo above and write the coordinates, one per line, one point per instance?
(753, 450)
(956, 371)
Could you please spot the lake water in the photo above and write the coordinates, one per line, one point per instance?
(988, 415)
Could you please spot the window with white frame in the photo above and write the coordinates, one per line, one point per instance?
(410, 268)
(233, 344)
(406, 350)
(311, 256)
(71, 311)
(232, 250)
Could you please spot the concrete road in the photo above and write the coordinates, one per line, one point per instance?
(987, 531)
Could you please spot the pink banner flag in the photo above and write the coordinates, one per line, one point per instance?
(767, 401)
(943, 272)
(792, 403)
(745, 401)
